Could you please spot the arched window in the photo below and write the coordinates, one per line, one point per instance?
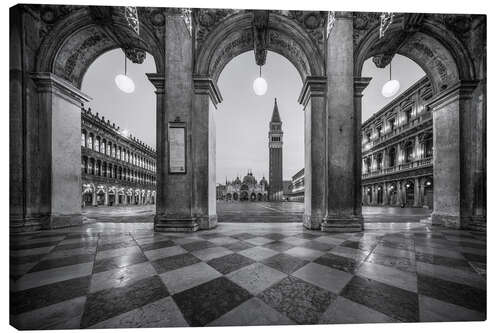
(97, 143)
(428, 146)
(379, 161)
(92, 166)
(392, 157)
(108, 149)
(84, 138)
(408, 114)
(103, 146)
(408, 152)
(90, 141)
(85, 164)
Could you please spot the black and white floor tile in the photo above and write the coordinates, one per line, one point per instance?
(111, 275)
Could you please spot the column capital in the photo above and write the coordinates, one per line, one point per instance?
(204, 85)
(343, 15)
(158, 80)
(314, 86)
(360, 83)
(48, 82)
(462, 90)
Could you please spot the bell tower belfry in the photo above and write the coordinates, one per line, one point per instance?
(275, 156)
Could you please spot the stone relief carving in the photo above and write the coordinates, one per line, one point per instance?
(79, 53)
(243, 41)
(206, 20)
(313, 22)
(363, 22)
(330, 24)
(382, 60)
(260, 30)
(187, 15)
(289, 47)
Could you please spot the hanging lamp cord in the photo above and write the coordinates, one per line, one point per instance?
(125, 64)
(390, 71)
(260, 71)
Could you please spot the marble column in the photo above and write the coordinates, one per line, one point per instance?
(94, 198)
(416, 187)
(206, 97)
(313, 98)
(106, 197)
(175, 204)
(360, 83)
(385, 200)
(56, 134)
(343, 213)
(459, 157)
(399, 195)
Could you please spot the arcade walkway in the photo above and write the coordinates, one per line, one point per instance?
(124, 275)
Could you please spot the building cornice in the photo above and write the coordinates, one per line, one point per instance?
(314, 86)
(462, 90)
(51, 83)
(392, 104)
(204, 85)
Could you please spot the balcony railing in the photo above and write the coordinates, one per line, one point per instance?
(413, 122)
(401, 167)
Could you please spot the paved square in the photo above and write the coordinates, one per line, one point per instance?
(125, 275)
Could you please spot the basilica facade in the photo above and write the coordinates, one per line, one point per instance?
(247, 189)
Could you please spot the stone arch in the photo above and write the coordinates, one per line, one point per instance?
(76, 41)
(444, 59)
(234, 36)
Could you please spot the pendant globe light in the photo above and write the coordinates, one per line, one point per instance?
(391, 87)
(123, 82)
(260, 84)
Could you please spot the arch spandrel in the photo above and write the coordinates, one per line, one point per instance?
(430, 44)
(77, 40)
(436, 61)
(77, 54)
(234, 36)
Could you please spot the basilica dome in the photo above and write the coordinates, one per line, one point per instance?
(249, 179)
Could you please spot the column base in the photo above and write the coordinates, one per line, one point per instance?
(45, 221)
(477, 223)
(66, 220)
(20, 224)
(312, 222)
(173, 224)
(207, 222)
(342, 224)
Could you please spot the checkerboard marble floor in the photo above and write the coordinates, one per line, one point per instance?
(125, 275)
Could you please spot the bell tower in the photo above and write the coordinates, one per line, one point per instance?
(275, 156)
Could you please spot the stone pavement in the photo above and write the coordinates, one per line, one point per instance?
(125, 275)
(244, 212)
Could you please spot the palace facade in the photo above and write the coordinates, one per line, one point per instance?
(397, 152)
(117, 168)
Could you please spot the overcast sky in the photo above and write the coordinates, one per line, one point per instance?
(242, 119)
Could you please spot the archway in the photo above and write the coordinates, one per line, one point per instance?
(457, 79)
(409, 194)
(69, 41)
(331, 198)
(380, 195)
(258, 122)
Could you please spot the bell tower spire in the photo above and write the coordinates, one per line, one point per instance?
(275, 155)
